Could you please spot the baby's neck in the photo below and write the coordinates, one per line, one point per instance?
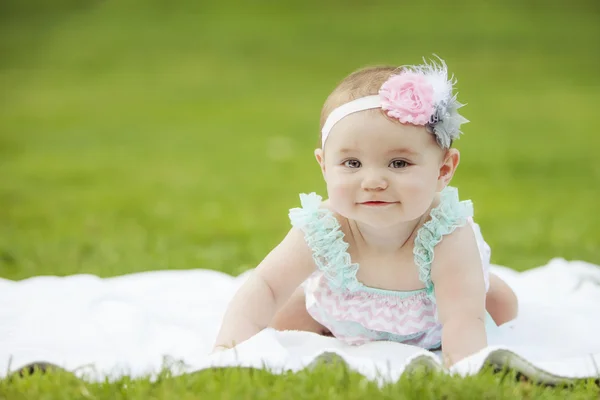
(387, 240)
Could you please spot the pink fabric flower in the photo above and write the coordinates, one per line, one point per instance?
(408, 97)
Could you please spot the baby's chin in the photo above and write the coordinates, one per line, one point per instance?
(380, 219)
(381, 222)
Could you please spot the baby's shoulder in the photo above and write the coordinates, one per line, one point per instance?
(450, 226)
(460, 239)
(457, 252)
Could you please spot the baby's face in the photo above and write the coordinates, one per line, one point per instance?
(381, 172)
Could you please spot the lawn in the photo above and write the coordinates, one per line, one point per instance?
(153, 135)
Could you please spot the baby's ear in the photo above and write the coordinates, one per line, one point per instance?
(448, 168)
(320, 159)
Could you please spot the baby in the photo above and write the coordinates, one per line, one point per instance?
(392, 254)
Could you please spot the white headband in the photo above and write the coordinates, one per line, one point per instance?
(360, 104)
(419, 95)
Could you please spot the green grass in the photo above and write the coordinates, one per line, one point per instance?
(152, 135)
(321, 382)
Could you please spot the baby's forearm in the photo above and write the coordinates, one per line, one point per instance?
(249, 312)
(461, 337)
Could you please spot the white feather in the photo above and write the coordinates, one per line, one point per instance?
(437, 76)
(448, 127)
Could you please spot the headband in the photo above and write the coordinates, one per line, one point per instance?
(417, 95)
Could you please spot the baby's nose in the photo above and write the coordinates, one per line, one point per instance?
(374, 180)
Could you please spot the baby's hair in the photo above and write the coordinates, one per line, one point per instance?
(364, 82)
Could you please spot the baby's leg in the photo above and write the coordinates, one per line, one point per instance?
(501, 301)
(293, 316)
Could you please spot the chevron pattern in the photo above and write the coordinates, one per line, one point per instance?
(360, 317)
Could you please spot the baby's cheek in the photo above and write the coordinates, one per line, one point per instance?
(340, 190)
(417, 190)
(340, 195)
(418, 195)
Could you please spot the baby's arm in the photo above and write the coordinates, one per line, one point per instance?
(457, 276)
(266, 290)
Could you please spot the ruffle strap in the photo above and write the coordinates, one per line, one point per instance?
(445, 218)
(323, 235)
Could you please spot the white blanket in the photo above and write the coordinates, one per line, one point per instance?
(137, 324)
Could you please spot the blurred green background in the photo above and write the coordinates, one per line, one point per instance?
(143, 135)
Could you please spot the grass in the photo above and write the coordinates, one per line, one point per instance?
(322, 382)
(151, 135)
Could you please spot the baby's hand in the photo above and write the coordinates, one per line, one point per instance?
(219, 348)
(447, 360)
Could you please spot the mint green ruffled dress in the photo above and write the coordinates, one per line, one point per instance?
(356, 313)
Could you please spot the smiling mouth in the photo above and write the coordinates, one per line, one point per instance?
(377, 203)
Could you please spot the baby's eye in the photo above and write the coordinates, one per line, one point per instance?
(352, 163)
(398, 164)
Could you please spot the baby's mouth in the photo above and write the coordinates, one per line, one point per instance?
(377, 203)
